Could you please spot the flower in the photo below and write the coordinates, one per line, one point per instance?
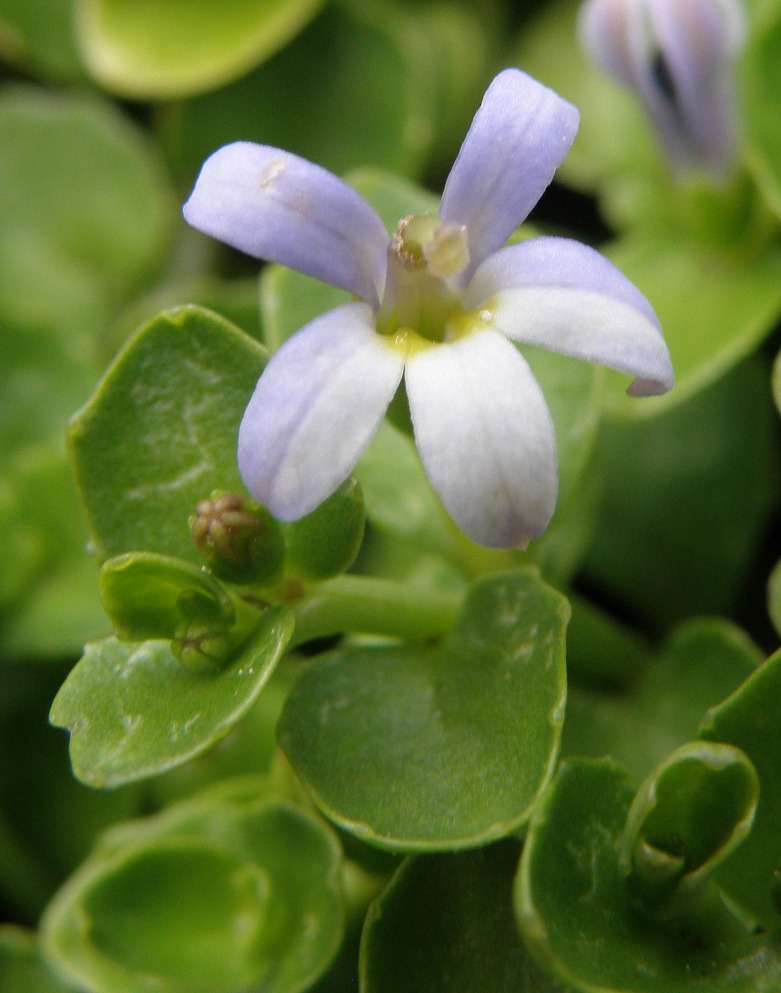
(677, 55)
(440, 305)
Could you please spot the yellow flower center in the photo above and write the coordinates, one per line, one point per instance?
(421, 305)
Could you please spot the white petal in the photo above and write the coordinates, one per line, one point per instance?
(517, 140)
(485, 437)
(279, 207)
(315, 409)
(568, 298)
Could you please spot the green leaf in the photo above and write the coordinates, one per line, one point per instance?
(47, 578)
(445, 925)
(233, 890)
(576, 914)
(134, 711)
(686, 818)
(760, 92)
(21, 967)
(160, 432)
(774, 596)
(686, 499)
(749, 720)
(700, 664)
(365, 84)
(250, 748)
(86, 213)
(142, 594)
(39, 38)
(424, 749)
(399, 497)
(573, 391)
(715, 306)
(158, 49)
(45, 837)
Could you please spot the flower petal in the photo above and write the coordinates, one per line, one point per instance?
(315, 409)
(279, 207)
(566, 297)
(485, 437)
(676, 54)
(517, 140)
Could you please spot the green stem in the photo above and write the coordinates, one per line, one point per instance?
(374, 606)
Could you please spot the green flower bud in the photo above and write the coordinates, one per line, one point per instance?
(325, 542)
(239, 540)
(202, 640)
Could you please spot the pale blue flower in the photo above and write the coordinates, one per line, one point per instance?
(677, 55)
(440, 304)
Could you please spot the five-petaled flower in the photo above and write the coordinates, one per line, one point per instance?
(441, 304)
(677, 56)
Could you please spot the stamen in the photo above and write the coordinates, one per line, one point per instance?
(425, 240)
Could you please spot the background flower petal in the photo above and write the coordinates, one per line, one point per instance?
(315, 409)
(517, 140)
(279, 207)
(485, 437)
(566, 297)
(676, 54)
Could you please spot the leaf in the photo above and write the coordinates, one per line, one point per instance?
(134, 711)
(444, 924)
(47, 578)
(577, 917)
(142, 594)
(364, 84)
(715, 306)
(748, 719)
(160, 432)
(700, 664)
(686, 499)
(689, 814)
(439, 748)
(39, 38)
(42, 839)
(86, 214)
(21, 968)
(760, 93)
(232, 890)
(158, 49)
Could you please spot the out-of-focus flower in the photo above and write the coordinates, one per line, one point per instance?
(678, 57)
(438, 304)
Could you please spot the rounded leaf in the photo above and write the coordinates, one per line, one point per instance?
(686, 818)
(748, 719)
(142, 594)
(233, 890)
(159, 434)
(444, 924)
(133, 710)
(437, 748)
(156, 49)
(577, 916)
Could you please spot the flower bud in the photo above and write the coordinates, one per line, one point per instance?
(238, 539)
(326, 542)
(202, 641)
(677, 56)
